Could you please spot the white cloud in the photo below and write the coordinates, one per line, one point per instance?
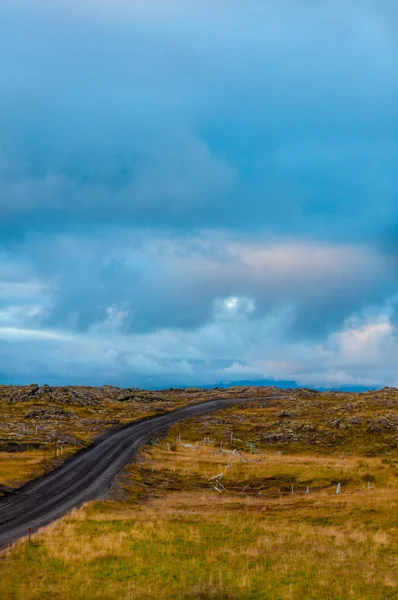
(285, 261)
(238, 370)
(233, 307)
(115, 317)
(364, 345)
(16, 334)
(18, 315)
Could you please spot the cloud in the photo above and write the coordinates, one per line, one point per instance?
(195, 188)
(248, 120)
(360, 353)
(232, 307)
(138, 308)
(157, 281)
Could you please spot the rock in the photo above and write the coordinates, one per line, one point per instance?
(32, 389)
(383, 424)
(6, 489)
(355, 421)
(284, 414)
(51, 412)
(13, 446)
(306, 427)
(281, 436)
(306, 393)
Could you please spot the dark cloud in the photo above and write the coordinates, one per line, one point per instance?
(197, 172)
(110, 116)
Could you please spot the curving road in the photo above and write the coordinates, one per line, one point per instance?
(86, 475)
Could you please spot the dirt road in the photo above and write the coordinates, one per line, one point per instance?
(87, 475)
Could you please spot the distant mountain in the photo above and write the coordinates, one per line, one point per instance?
(254, 382)
(286, 384)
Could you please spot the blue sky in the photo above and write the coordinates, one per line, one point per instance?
(199, 191)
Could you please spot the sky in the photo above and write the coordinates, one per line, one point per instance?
(199, 191)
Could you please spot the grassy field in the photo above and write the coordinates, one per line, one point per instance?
(270, 527)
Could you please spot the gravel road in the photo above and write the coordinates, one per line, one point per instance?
(87, 475)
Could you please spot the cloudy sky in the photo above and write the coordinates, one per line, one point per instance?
(198, 191)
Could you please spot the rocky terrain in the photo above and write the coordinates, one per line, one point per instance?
(47, 424)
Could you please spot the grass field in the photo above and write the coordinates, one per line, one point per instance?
(271, 527)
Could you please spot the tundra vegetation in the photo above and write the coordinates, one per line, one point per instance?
(291, 495)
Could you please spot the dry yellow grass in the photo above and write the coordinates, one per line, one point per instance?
(18, 467)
